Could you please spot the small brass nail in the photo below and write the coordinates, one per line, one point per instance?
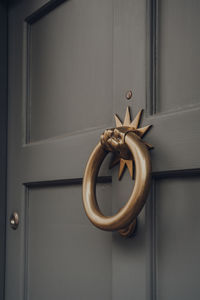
(129, 95)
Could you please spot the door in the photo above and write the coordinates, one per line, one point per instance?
(70, 66)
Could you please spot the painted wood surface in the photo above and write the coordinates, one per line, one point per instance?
(3, 139)
(59, 106)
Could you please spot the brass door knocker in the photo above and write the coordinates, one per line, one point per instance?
(126, 142)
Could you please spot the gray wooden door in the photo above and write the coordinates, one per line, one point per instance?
(70, 65)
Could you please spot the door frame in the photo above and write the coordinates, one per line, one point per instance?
(3, 138)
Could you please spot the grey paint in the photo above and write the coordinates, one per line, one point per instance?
(64, 250)
(3, 137)
(178, 239)
(179, 62)
(128, 255)
(70, 71)
(135, 268)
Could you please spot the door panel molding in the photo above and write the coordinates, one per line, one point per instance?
(150, 219)
(152, 56)
(28, 22)
(43, 10)
(3, 141)
(156, 49)
(173, 249)
(56, 90)
(60, 182)
(56, 224)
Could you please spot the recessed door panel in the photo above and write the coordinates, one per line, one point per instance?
(69, 69)
(67, 258)
(178, 54)
(177, 238)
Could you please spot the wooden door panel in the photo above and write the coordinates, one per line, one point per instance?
(177, 238)
(67, 258)
(178, 58)
(69, 68)
(173, 86)
(174, 106)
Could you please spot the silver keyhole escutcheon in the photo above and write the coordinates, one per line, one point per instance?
(14, 220)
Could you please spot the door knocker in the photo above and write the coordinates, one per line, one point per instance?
(125, 141)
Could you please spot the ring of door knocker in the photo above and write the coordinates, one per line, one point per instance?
(126, 142)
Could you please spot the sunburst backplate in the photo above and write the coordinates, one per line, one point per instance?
(133, 125)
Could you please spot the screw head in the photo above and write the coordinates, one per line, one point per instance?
(14, 220)
(129, 95)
